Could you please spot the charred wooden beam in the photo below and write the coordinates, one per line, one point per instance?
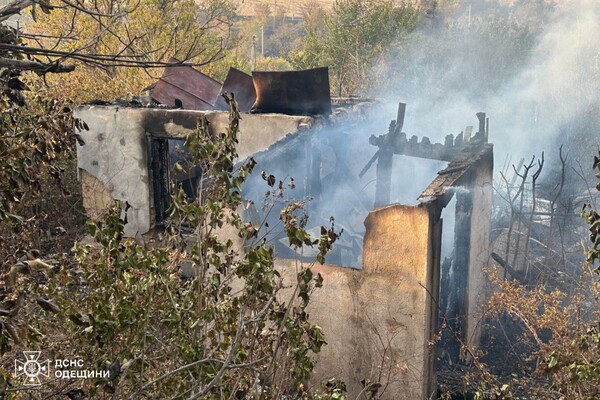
(511, 271)
(368, 165)
(314, 173)
(468, 133)
(462, 152)
(399, 124)
(481, 133)
(384, 177)
(459, 141)
(400, 144)
(454, 174)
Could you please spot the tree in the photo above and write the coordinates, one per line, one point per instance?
(108, 33)
(353, 38)
(106, 39)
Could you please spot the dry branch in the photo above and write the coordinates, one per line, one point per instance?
(26, 65)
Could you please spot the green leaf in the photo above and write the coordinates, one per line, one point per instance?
(92, 227)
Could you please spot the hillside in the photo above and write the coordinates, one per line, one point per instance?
(288, 8)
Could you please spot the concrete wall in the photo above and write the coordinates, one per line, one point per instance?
(479, 251)
(115, 154)
(377, 321)
(465, 288)
(116, 150)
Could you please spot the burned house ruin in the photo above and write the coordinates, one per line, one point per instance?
(387, 283)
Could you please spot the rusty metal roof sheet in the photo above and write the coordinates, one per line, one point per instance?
(192, 88)
(292, 92)
(242, 86)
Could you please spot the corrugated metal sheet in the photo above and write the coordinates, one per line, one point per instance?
(242, 86)
(292, 92)
(184, 84)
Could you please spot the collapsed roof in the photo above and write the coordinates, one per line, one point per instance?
(287, 92)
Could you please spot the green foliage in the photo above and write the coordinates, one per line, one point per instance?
(592, 217)
(333, 390)
(33, 133)
(200, 315)
(585, 369)
(353, 38)
(37, 138)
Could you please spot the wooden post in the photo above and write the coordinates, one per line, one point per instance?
(481, 132)
(384, 177)
(400, 117)
(314, 177)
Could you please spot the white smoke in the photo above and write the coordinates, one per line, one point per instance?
(558, 86)
(533, 82)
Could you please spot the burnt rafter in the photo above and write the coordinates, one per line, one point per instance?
(398, 142)
(460, 151)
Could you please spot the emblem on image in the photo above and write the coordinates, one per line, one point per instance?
(32, 368)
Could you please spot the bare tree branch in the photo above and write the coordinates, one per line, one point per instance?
(135, 60)
(26, 65)
(14, 8)
(136, 50)
(88, 10)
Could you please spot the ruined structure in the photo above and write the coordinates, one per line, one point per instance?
(382, 316)
(126, 157)
(469, 175)
(385, 287)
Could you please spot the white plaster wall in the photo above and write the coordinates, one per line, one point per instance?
(115, 154)
(115, 150)
(259, 131)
